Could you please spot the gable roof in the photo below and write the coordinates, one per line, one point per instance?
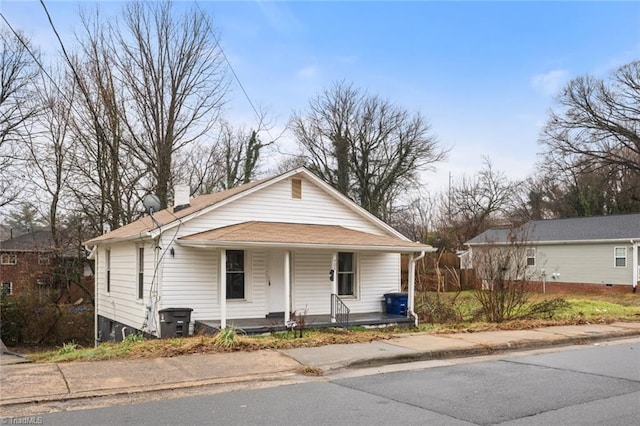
(147, 227)
(577, 229)
(143, 226)
(297, 235)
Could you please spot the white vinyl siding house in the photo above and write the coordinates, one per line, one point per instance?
(272, 244)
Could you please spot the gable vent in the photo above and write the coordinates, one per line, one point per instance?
(296, 189)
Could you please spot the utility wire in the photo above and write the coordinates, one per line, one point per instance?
(233, 71)
(20, 38)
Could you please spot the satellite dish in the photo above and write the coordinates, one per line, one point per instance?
(151, 203)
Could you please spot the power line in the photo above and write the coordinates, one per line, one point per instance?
(20, 38)
(233, 71)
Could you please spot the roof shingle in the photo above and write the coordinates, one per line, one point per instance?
(592, 228)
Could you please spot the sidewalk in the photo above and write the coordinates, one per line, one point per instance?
(26, 383)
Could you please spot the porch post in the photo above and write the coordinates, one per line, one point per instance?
(411, 283)
(287, 286)
(334, 283)
(223, 288)
(634, 255)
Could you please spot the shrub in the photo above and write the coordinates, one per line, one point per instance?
(29, 318)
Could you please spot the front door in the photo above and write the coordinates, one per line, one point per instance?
(276, 281)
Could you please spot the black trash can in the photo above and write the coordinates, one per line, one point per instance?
(396, 303)
(174, 322)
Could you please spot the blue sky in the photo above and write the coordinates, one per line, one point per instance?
(483, 73)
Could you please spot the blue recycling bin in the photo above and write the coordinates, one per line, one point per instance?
(396, 303)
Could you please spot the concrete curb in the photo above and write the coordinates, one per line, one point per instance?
(8, 403)
(489, 349)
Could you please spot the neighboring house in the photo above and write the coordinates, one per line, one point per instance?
(250, 257)
(598, 253)
(31, 261)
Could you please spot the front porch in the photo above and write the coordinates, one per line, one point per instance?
(277, 323)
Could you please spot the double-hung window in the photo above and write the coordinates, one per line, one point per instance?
(140, 272)
(531, 256)
(235, 274)
(620, 257)
(346, 274)
(107, 262)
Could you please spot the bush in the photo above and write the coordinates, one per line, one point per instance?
(438, 307)
(25, 318)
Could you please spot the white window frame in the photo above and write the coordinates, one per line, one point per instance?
(616, 257)
(140, 273)
(354, 273)
(8, 259)
(10, 287)
(530, 253)
(43, 259)
(107, 265)
(244, 272)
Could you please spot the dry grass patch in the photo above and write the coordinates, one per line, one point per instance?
(581, 309)
(310, 370)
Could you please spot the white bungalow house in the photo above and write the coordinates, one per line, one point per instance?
(596, 254)
(251, 256)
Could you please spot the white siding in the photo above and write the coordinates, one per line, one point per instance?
(275, 204)
(584, 263)
(311, 288)
(121, 303)
(190, 280)
(377, 274)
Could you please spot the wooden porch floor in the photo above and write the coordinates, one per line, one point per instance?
(266, 325)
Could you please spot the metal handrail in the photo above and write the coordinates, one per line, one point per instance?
(339, 311)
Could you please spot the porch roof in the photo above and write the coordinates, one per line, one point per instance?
(299, 235)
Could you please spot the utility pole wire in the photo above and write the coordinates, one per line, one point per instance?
(233, 71)
(83, 89)
(35, 58)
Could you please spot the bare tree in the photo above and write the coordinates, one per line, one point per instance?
(597, 121)
(505, 281)
(107, 178)
(18, 71)
(474, 205)
(172, 72)
(416, 219)
(49, 151)
(366, 147)
(233, 159)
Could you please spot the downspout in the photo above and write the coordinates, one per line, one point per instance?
(412, 285)
(635, 265)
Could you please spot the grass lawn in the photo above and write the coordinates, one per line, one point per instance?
(581, 309)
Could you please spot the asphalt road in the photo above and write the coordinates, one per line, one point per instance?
(595, 385)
